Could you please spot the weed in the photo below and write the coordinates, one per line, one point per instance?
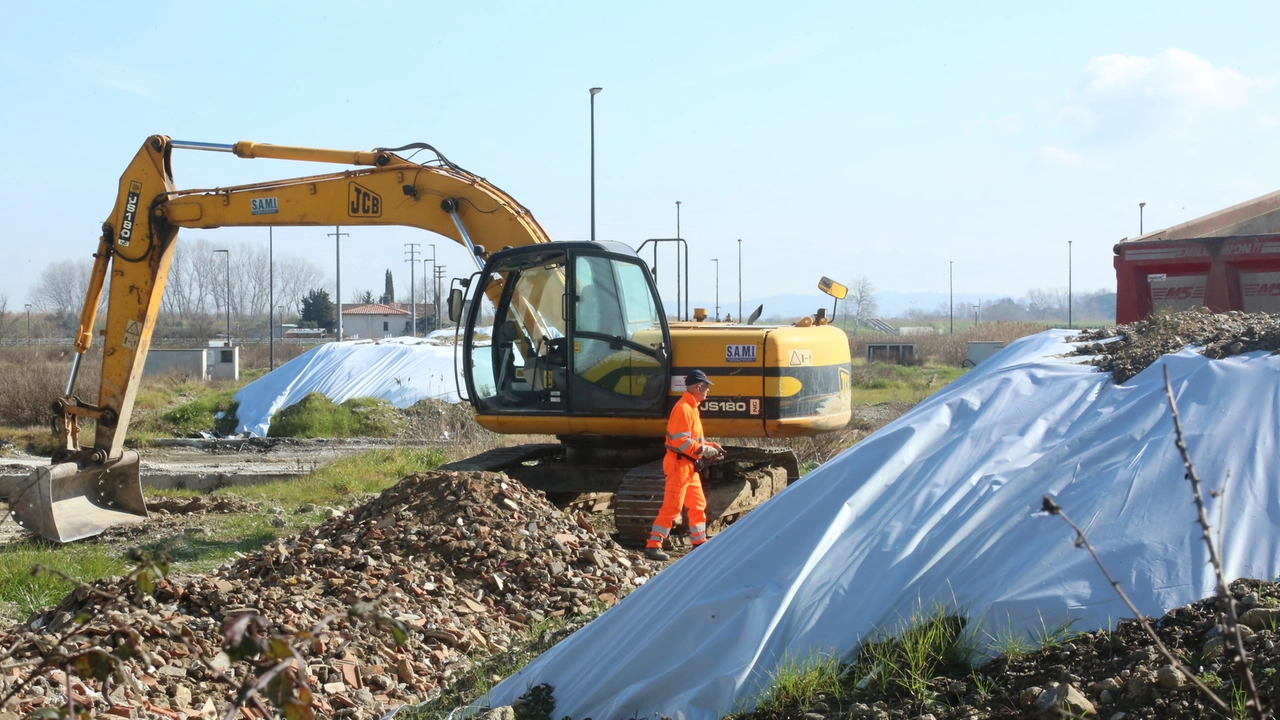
(1007, 643)
(1211, 681)
(797, 683)
(1046, 636)
(902, 664)
(25, 592)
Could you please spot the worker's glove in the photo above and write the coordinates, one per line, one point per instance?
(710, 452)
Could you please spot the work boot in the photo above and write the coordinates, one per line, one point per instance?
(656, 554)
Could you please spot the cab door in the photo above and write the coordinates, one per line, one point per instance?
(621, 357)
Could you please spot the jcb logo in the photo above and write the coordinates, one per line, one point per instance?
(363, 202)
(1181, 293)
(1269, 289)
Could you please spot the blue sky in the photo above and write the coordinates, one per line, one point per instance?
(838, 139)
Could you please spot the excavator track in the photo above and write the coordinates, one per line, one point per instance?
(741, 481)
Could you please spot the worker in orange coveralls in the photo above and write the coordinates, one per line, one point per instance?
(685, 447)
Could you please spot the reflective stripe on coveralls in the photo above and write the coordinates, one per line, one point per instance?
(683, 488)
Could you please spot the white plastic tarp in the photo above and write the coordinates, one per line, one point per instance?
(401, 371)
(943, 506)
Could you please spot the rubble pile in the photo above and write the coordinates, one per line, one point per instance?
(1119, 674)
(1142, 343)
(466, 561)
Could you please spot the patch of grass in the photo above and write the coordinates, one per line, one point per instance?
(904, 661)
(318, 416)
(1052, 636)
(1007, 643)
(200, 549)
(338, 482)
(22, 592)
(796, 684)
(198, 414)
(876, 383)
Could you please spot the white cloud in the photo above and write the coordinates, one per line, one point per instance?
(1124, 95)
(109, 74)
(1060, 157)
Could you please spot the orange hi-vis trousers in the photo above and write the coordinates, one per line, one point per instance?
(683, 490)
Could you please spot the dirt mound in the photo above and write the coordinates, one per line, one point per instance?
(465, 560)
(1142, 343)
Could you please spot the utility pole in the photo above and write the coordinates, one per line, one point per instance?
(28, 307)
(337, 241)
(412, 252)
(1141, 205)
(951, 293)
(440, 271)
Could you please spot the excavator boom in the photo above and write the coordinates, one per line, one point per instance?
(89, 488)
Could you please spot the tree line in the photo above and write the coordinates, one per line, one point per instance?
(201, 287)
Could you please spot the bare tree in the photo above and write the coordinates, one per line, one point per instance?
(62, 286)
(861, 300)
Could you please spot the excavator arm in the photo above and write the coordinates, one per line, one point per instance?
(87, 489)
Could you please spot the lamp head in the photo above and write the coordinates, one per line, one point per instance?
(595, 91)
(1141, 205)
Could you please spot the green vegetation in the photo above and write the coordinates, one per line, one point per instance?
(876, 383)
(797, 684)
(902, 663)
(23, 591)
(318, 416)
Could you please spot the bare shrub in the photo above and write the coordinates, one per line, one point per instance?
(259, 356)
(31, 378)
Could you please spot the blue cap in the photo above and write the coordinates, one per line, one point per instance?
(695, 377)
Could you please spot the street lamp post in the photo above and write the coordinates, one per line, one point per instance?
(28, 307)
(226, 301)
(951, 293)
(431, 279)
(739, 279)
(717, 262)
(337, 242)
(594, 91)
(1141, 205)
(271, 292)
(1068, 284)
(678, 262)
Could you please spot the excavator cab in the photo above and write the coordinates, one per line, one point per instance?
(566, 329)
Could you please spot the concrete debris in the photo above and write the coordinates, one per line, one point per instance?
(467, 561)
(1127, 350)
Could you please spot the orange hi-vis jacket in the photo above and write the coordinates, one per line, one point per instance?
(683, 488)
(684, 429)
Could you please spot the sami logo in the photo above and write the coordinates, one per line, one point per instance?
(264, 206)
(363, 202)
(740, 353)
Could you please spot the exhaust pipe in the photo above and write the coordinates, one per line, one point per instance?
(70, 501)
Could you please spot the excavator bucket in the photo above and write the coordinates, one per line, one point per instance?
(68, 501)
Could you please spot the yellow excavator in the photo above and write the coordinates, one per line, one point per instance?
(558, 338)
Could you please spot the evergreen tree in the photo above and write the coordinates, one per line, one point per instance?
(389, 294)
(318, 308)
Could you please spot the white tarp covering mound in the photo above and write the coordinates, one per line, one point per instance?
(401, 371)
(943, 506)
